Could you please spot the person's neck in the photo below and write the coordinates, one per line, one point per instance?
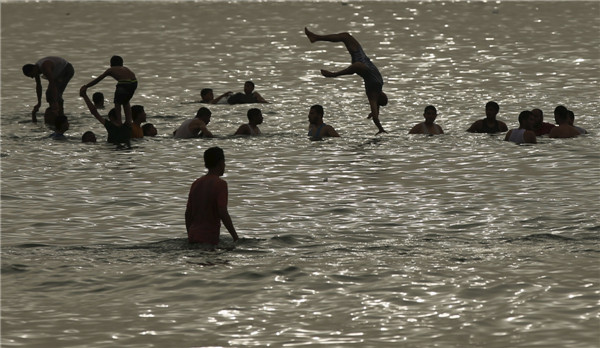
(213, 171)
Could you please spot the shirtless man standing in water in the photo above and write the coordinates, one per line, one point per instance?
(362, 66)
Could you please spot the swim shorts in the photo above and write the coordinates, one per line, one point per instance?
(124, 91)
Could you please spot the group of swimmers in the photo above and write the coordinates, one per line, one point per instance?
(58, 72)
(531, 124)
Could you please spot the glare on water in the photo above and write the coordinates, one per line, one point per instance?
(392, 240)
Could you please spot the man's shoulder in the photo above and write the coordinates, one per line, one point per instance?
(417, 128)
(476, 126)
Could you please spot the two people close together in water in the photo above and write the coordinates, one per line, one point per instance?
(249, 96)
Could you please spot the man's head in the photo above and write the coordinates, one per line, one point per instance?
(138, 114)
(116, 61)
(98, 99)
(430, 113)
(214, 159)
(204, 114)
(30, 70)
(149, 130)
(491, 109)
(315, 114)
(526, 120)
(571, 115)
(88, 137)
(382, 100)
(561, 114)
(538, 118)
(255, 116)
(248, 87)
(207, 94)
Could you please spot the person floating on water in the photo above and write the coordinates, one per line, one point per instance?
(207, 203)
(58, 72)
(126, 86)
(249, 96)
(362, 66)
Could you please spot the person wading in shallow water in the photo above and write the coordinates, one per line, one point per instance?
(207, 203)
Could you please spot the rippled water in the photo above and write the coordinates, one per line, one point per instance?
(394, 240)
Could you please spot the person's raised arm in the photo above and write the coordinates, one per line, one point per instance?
(98, 79)
(90, 105)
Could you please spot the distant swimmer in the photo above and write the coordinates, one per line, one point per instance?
(195, 127)
(362, 66)
(118, 133)
(58, 72)
(489, 124)
(126, 86)
(317, 129)
(249, 96)
(207, 203)
(539, 126)
(564, 129)
(428, 127)
(525, 133)
(208, 97)
(255, 118)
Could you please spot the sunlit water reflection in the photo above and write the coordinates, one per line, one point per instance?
(393, 240)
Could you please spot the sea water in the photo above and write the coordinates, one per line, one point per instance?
(393, 240)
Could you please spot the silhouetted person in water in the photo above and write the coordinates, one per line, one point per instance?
(428, 127)
(489, 124)
(58, 72)
(564, 129)
(362, 66)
